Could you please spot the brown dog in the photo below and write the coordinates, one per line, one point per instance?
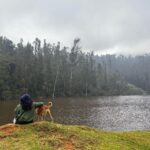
(43, 111)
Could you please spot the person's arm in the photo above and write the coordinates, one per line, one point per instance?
(38, 104)
(17, 109)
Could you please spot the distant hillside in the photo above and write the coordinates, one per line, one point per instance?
(133, 69)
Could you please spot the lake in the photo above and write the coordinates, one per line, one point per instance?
(111, 113)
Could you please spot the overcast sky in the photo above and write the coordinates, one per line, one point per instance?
(104, 26)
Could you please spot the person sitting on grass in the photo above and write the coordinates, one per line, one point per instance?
(25, 111)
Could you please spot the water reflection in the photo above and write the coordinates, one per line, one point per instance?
(114, 113)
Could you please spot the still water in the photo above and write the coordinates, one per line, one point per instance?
(111, 113)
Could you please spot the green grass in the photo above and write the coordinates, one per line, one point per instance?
(53, 136)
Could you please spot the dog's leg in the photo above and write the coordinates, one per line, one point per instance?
(42, 117)
(39, 118)
(50, 115)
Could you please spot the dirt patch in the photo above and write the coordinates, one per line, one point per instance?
(67, 144)
(7, 130)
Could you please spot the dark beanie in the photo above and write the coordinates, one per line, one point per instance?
(26, 102)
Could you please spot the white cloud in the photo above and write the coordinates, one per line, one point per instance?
(120, 26)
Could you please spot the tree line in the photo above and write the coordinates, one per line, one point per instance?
(49, 70)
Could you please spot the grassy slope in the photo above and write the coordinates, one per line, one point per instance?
(52, 136)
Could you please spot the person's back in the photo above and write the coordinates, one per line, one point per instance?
(25, 111)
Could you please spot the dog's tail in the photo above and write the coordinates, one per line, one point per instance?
(50, 104)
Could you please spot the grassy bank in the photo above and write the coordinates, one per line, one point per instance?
(52, 136)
